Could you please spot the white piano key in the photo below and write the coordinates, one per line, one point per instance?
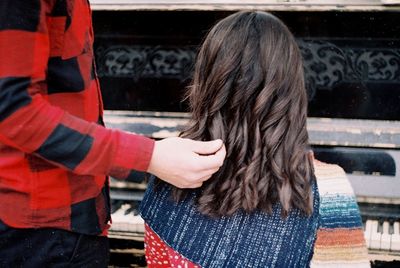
(122, 221)
(385, 237)
(395, 241)
(375, 239)
(367, 232)
(118, 217)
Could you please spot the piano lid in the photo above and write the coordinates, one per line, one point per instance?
(283, 5)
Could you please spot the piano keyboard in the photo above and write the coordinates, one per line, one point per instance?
(384, 236)
(126, 221)
(381, 221)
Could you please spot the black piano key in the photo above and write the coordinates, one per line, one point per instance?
(115, 205)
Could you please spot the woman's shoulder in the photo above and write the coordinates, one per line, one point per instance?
(323, 168)
(332, 179)
(338, 203)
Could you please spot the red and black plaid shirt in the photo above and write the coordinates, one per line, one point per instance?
(54, 154)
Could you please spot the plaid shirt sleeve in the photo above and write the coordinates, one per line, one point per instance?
(31, 124)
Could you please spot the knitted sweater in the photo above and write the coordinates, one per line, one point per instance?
(340, 238)
(262, 240)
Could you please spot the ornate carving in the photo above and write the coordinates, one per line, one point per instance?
(374, 65)
(145, 62)
(326, 64)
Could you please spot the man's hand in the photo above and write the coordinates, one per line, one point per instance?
(186, 163)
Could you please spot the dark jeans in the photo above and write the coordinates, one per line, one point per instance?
(51, 248)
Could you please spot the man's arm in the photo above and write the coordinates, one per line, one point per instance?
(31, 124)
(28, 121)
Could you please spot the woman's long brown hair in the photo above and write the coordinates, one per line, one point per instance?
(248, 90)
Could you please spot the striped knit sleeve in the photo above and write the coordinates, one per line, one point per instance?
(340, 238)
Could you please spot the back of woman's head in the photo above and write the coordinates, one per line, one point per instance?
(248, 90)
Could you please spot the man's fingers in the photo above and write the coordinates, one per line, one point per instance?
(206, 147)
(220, 154)
(214, 161)
(207, 174)
(195, 185)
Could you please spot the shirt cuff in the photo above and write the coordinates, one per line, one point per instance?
(134, 153)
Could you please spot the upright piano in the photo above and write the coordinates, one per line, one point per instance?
(145, 50)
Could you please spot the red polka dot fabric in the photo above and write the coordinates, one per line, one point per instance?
(159, 254)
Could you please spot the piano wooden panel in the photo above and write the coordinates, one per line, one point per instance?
(341, 134)
(210, 5)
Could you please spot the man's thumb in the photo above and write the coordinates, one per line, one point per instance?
(206, 147)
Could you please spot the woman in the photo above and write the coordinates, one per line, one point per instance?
(262, 208)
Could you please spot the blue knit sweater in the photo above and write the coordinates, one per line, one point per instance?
(243, 240)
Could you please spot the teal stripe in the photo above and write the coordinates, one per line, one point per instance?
(339, 211)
